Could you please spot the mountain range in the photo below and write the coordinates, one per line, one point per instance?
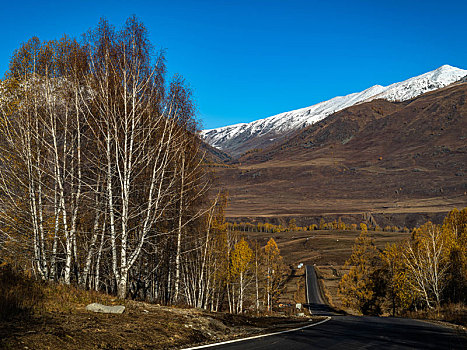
(239, 138)
(402, 159)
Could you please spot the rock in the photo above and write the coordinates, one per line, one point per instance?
(95, 307)
(216, 324)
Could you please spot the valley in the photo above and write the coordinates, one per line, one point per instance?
(402, 162)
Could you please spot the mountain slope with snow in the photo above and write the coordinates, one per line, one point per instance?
(239, 138)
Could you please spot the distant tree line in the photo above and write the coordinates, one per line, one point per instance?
(336, 225)
(426, 271)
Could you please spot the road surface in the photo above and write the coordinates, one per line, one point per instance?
(316, 303)
(355, 332)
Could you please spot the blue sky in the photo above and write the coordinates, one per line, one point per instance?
(250, 59)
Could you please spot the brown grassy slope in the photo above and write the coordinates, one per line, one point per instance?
(321, 247)
(379, 156)
(337, 128)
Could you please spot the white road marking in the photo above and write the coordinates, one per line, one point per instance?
(257, 336)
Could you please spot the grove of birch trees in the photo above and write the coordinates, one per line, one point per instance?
(103, 182)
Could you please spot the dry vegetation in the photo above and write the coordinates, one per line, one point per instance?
(53, 316)
(321, 247)
(425, 274)
(328, 249)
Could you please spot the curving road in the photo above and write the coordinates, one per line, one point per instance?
(355, 332)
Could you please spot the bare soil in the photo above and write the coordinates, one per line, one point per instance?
(141, 326)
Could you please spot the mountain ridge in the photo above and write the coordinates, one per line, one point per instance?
(239, 138)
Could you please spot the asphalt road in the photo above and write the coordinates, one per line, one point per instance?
(354, 332)
(315, 300)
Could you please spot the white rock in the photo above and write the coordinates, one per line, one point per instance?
(96, 307)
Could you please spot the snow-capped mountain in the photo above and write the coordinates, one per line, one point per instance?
(241, 137)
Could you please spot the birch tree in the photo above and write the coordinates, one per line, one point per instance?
(427, 264)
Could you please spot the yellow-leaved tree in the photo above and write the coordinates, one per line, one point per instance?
(274, 268)
(357, 287)
(398, 288)
(455, 230)
(427, 261)
(241, 274)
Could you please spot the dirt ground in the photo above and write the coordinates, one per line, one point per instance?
(141, 326)
(330, 276)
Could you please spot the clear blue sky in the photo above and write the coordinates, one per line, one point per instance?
(250, 59)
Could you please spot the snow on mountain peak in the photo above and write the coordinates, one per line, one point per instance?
(234, 137)
(418, 85)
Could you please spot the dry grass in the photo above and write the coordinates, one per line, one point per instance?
(452, 313)
(141, 326)
(321, 247)
(66, 298)
(19, 294)
(330, 277)
(293, 293)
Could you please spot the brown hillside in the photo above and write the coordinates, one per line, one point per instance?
(340, 127)
(378, 156)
